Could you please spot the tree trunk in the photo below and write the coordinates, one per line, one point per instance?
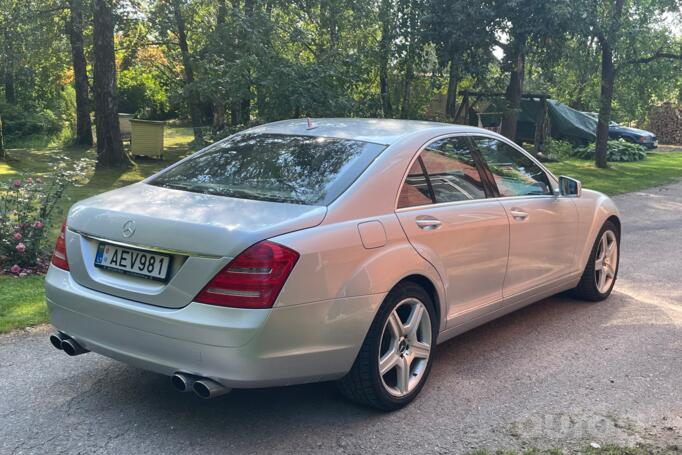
(245, 103)
(190, 92)
(3, 156)
(384, 56)
(109, 145)
(451, 99)
(75, 28)
(542, 129)
(608, 76)
(218, 102)
(513, 96)
(8, 73)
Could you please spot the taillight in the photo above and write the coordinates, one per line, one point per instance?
(253, 279)
(59, 255)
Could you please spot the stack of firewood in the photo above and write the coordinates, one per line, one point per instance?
(666, 122)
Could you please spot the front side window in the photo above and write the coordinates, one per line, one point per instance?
(274, 167)
(515, 174)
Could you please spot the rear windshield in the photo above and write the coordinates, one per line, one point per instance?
(273, 167)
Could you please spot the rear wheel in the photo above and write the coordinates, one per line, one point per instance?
(601, 270)
(395, 359)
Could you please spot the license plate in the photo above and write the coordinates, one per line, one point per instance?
(131, 261)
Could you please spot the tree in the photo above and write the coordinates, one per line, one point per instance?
(386, 16)
(410, 14)
(75, 31)
(529, 25)
(626, 33)
(190, 91)
(463, 35)
(110, 151)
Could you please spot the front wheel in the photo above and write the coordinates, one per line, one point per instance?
(601, 270)
(396, 356)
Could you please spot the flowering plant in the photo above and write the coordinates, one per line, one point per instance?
(27, 207)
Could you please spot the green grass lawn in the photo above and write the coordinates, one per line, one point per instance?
(658, 169)
(21, 300)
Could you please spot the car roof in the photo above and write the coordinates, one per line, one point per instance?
(379, 131)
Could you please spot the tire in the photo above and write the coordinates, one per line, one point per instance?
(589, 287)
(394, 390)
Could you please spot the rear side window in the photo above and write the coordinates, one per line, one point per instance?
(453, 173)
(415, 190)
(273, 167)
(515, 174)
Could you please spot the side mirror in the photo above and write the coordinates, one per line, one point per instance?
(569, 186)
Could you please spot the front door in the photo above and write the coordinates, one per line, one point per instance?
(444, 212)
(543, 226)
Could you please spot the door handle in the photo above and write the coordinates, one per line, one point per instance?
(428, 223)
(518, 214)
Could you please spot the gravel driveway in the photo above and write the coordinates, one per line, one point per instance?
(559, 373)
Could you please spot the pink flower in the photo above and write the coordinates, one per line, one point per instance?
(17, 236)
(15, 269)
(21, 247)
(38, 224)
(29, 180)
(17, 183)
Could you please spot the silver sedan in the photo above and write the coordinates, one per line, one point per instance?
(337, 249)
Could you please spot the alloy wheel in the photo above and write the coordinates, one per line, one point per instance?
(606, 262)
(405, 347)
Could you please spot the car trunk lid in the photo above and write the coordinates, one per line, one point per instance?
(200, 232)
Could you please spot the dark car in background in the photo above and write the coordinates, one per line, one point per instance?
(637, 136)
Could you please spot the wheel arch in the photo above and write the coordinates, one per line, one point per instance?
(430, 288)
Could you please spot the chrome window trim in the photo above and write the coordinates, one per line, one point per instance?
(551, 177)
(142, 247)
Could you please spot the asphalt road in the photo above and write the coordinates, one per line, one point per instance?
(559, 373)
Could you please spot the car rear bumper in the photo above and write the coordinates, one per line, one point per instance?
(238, 348)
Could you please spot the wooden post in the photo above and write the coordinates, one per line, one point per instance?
(541, 128)
(464, 105)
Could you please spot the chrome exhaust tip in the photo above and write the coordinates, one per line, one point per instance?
(56, 339)
(207, 388)
(72, 348)
(183, 382)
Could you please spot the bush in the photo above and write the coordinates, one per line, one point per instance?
(558, 150)
(617, 151)
(27, 207)
(19, 123)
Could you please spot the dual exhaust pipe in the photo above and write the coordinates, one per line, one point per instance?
(67, 344)
(203, 387)
(183, 382)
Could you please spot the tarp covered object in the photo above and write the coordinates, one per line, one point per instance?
(566, 123)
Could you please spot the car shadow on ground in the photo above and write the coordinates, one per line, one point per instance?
(483, 382)
(475, 354)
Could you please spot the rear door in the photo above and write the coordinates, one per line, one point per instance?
(444, 212)
(543, 226)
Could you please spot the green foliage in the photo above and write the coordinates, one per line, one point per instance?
(141, 93)
(27, 207)
(558, 150)
(618, 150)
(20, 123)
